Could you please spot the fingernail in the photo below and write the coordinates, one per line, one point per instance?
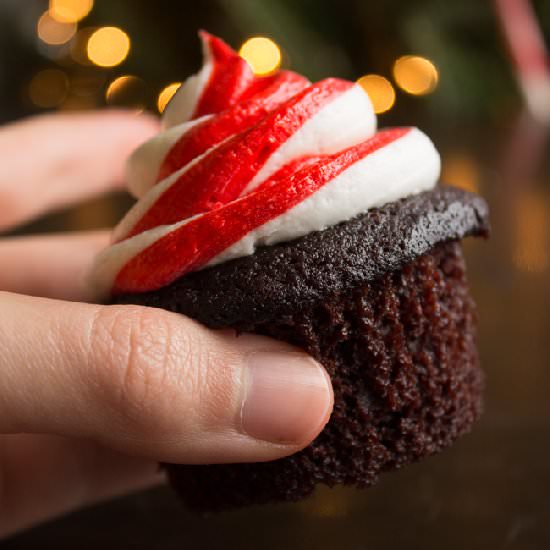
(288, 397)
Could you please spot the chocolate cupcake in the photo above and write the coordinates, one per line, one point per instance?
(271, 205)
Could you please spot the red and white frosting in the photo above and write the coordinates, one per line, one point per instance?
(246, 161)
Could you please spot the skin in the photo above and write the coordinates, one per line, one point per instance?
(92, 397)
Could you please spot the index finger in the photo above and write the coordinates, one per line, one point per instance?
(54, 160)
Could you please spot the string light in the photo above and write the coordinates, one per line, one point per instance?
(70, 11)
(127, 91)
(49, 88)
(415, 75)
(262, 54)
(108, 47)
(166, 95)
(54, 33)
(380, 91)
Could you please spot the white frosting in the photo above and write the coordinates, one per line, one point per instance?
(407, 165)
(110, 261)
(144, 164)
(142, 206)
(322, 134)
(319, 135)
(404, 167)
(182, 106)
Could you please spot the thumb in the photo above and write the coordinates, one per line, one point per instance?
(156, 384)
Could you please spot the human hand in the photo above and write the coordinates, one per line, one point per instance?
(92, 397)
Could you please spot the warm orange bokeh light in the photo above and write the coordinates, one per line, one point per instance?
(108, 47)
(70, 11)
(127, 91)
(415, 75)
(53, 32)
(49, 88)
(461, 170)
(166, 95)
(380, 91)
(262, 54)
(531, 241)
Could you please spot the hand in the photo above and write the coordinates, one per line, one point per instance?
(92, 397)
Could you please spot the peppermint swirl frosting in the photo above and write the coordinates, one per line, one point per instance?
(246, 161)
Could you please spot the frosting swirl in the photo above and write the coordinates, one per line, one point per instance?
(246, 161)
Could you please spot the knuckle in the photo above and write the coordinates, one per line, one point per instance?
(158, 374)
(148, 361)
(138, 364)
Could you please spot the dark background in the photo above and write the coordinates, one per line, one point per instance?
(491, 489)
(345, 38)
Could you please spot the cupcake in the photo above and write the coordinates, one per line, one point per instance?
(272, 205)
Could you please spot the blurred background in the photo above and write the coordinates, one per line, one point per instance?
(474, 75)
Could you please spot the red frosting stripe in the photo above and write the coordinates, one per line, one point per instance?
(269, 93)
(195, 243)
(221, 176)
(231, 77)
(215, 188)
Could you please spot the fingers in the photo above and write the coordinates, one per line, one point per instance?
(43, 476)
(50, 266)
(54, 160)
(155, 384)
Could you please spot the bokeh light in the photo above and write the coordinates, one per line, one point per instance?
(531, 241)
(48, 88)
(70, 11)
(328, 503)
(108, 47)
(54, 33)
(461, 170)
(127, 91)
(380, 91)
(166, 95)
(415, 75)
(79, 103)
(262, 54)
(87, 82)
